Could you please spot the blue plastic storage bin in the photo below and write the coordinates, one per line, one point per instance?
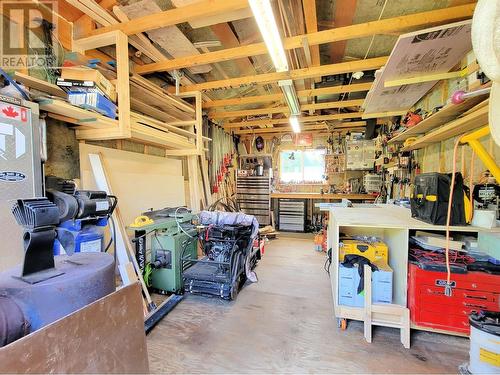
(348, 285)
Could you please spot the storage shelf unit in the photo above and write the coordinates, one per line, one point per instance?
(467, 123)
(292, 215)
(253, 194)
(393, 225)
(448, 113)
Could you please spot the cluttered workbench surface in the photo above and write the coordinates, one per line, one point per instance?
(325, 196)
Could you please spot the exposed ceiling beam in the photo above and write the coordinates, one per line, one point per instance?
(329, 105)
(309, 7)
(229, 40)
(356, 87)
(338, 116)
(344, 14)
(175, 16)
(317, 71)
(248, 112)
(217, 115)
(282, 129)
(395, 24)
(301, 93)
(304, 129)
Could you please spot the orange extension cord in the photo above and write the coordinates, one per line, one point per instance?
(448, 290)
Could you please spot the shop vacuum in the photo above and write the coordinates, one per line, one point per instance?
(45, 288)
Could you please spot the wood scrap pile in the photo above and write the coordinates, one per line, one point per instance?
(268, 231)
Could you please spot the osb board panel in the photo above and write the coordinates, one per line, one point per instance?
(170, 38)
(104, 337)
(140, 181)
(220, 18)
(434, 50)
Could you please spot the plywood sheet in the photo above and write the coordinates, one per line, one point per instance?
(140, 181)
(429, 51)
(170, 38)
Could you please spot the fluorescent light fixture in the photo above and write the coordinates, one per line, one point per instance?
(263, 14)
(294, 122)
(288, 90)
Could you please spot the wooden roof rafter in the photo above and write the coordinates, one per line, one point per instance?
(389, 25)
(318, 71)
(284, 120)
(217, 115)
(174, 16)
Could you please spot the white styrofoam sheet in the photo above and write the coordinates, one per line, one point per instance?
(429, 51)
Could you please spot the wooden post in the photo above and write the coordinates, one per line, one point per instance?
(368, 303)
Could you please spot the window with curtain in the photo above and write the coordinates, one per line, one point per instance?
(302, 166)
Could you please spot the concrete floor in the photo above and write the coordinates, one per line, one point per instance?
(284, 324)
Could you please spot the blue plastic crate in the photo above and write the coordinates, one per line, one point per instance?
(348, 286)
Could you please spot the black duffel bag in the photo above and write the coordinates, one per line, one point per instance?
(429, 201)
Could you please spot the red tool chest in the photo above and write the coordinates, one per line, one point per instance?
(429, 307)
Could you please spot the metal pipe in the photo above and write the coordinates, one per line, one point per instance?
(459, 97)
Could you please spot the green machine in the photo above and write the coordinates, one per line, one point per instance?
(170, 236)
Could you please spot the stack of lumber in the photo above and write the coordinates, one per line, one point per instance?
(157, 116)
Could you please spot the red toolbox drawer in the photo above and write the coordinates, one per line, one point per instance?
(429, 307)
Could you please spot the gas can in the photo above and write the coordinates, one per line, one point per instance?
(78, 237)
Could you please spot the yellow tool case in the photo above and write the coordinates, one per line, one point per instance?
(373, 250)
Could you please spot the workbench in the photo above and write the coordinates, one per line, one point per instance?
(393, 225)
(325, 196)
(295, 217)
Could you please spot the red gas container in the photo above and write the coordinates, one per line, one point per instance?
(429, 307)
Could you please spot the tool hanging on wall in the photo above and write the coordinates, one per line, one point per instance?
(222, 155)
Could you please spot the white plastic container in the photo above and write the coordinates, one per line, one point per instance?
(484, 343)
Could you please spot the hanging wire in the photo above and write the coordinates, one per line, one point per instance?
(368, 50)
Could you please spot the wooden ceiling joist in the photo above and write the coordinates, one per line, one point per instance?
(172, 17)
(305, 129)
(304, 119)
(317, 71)
(356, 87)
(309, 7)
(329, 105)
(283, 129)
(284, 109)
(389, 25)
(344, 14)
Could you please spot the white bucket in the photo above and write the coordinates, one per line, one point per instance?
(484, 343)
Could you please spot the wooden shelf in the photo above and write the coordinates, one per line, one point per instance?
(470, 121)
(446, 114)
(143, 129)
(77, 114)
